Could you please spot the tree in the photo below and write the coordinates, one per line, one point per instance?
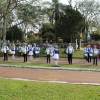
(49, 36)
(47, 31)
(70, 23)
(14, 33)
(91, 11)
(9, 10)
(6, 7)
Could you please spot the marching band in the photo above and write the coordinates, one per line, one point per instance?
(90, 53)
(52, 52)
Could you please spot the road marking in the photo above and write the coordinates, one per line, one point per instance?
(47, 79)
(52, 81)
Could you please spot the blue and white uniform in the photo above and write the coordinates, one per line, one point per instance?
(95, 55)
(51, 51)
(5, 49)
(19, 49)
(37, 50)
(85, 52)
(30, 50)
(89, 53)
(56, 54)
(13, 50)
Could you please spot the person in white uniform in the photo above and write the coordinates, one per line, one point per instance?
(51, 52)
(89, 53)
(95, 55)
(30, 52)
(5, 49)
(19, 48)
(56, 55)
(70, 51)
(48, 53)
(13, 51)
(25, 51)
(85, 53)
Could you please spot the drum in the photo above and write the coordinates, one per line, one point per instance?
(70, 52)
(95, 53)
(85, 55)
(24, 51)
(9, 51)
(2, 50)
(90, 54)
(36, 52)
(48, 52)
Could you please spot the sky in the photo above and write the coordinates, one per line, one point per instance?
(62, 1)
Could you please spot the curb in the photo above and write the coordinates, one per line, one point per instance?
(51, 68)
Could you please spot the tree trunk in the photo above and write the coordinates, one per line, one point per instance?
(4, 29)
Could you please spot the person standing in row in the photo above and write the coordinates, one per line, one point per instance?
(13, 51)
(25, 51)
(89, 53)
(56, 55)
(99, 53)
(85, 53)
(34, 50)
(5, 49)
(48, 53)
(51, 52)
(19, 48)
(37, 51)
(70, 51)
(95, 55)
(30, 52)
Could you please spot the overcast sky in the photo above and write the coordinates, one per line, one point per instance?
(62, 1)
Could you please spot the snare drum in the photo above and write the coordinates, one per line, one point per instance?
(90, 54)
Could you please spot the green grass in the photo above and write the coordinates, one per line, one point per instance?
(32, 64)
(29, 90)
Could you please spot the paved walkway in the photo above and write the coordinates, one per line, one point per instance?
(50, 75)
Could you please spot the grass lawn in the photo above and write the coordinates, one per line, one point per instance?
(30, 90)
(30, 64)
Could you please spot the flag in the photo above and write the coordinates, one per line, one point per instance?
(90, 32)
(85, 32)
(81, 34)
